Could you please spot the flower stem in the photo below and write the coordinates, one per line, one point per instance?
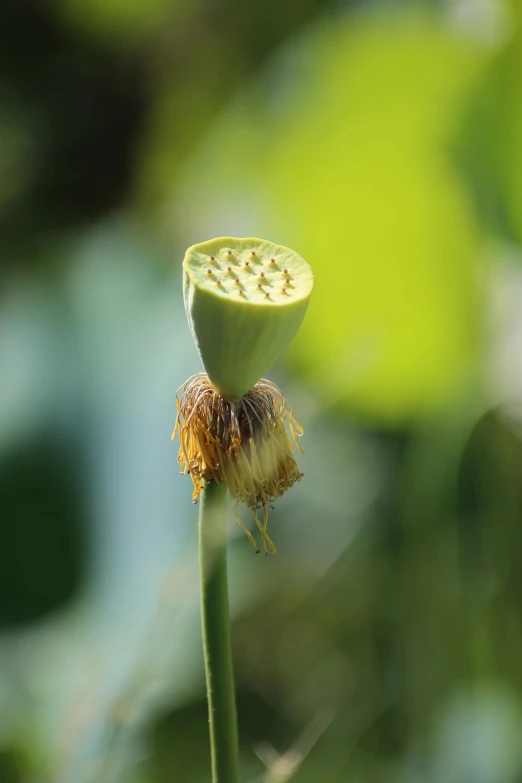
(216, 634)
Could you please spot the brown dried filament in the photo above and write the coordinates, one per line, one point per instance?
(242, 443)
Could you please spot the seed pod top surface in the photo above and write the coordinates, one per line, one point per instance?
(245, 300)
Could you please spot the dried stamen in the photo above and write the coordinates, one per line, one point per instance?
(241, 443)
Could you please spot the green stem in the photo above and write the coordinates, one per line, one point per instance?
(216, 634)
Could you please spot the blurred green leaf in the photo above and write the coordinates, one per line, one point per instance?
(490, 140)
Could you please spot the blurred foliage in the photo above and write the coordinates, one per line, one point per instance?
(490, 143)
(121, 23)
(39, 484)
(197, 73)
(381, 140)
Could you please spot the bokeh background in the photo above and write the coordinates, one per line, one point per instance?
(382, 141)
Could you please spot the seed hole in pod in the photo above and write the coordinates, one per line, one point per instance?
(247, 263)
(236, 280)
(229, 268)
(262, 274)
(209, 271)
(218, 282)
(260, 286)
(272, 260)
(287, 281)
(212, 258)
(229, 252)
(283, 290)
(285, 271)
(267, 296)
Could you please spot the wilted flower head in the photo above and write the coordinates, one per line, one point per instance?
(244, 443)
(245, 300)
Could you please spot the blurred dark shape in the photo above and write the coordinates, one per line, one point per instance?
(41, 536)
(490, 512)
(82, 107)
(9, 768)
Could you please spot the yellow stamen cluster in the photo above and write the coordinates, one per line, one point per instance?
(242, 443)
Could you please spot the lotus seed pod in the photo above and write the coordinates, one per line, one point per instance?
(245, 300)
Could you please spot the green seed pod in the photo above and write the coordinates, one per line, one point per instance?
(245, 300)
